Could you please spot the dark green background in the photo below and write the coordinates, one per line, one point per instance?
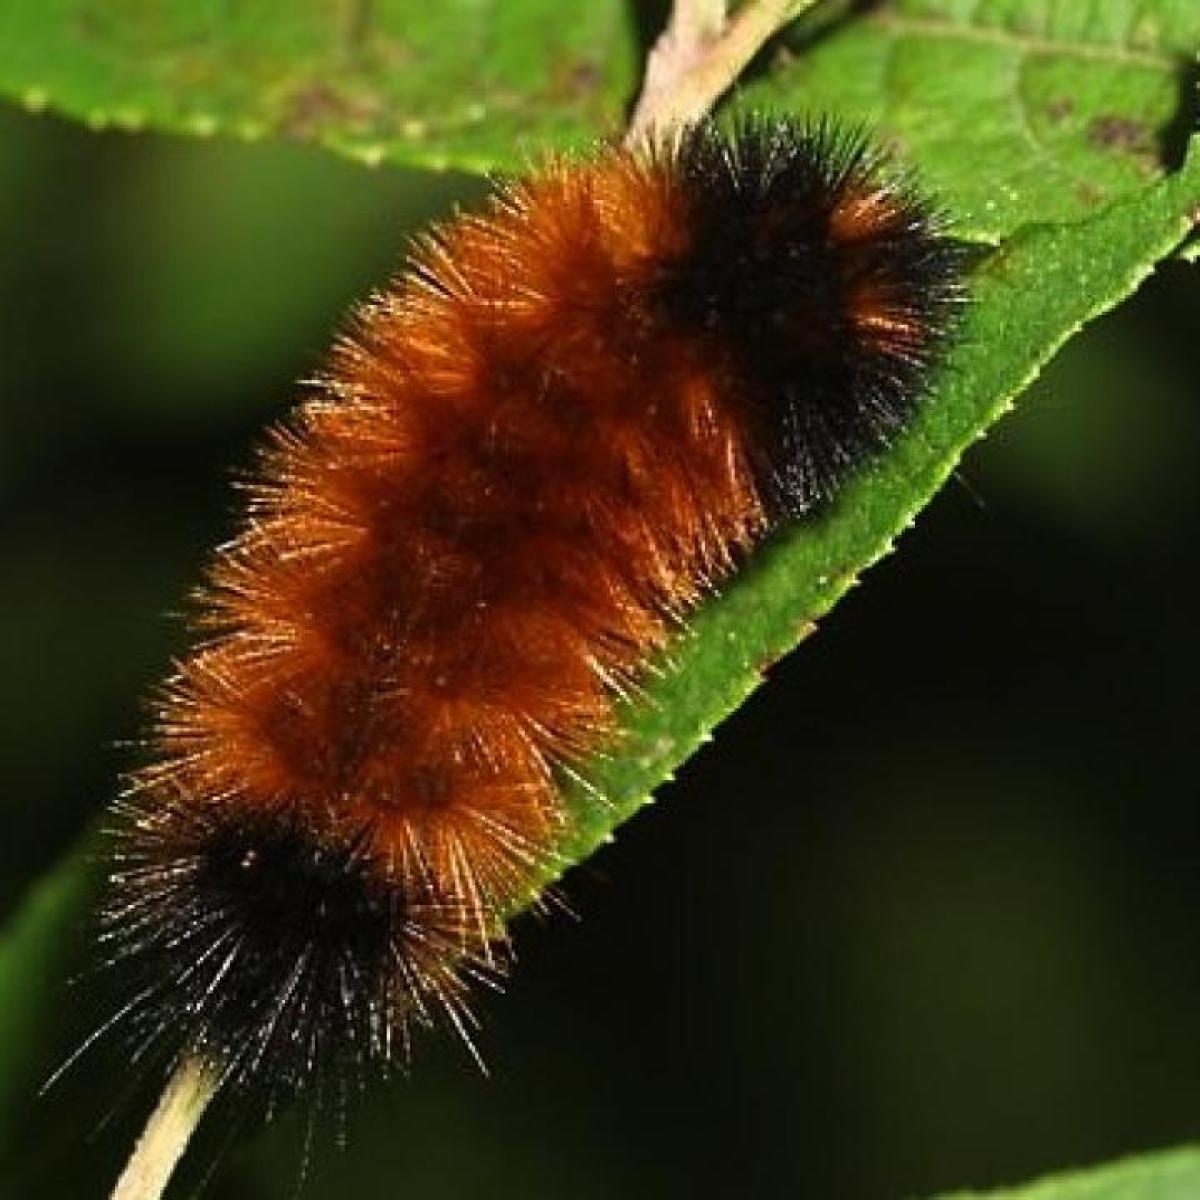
(924, 915)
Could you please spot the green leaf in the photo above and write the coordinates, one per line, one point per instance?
(35, 947)
(1029, 296)
(464, 83)
(1171, 1175)
(1190, 250)
(1014, 110)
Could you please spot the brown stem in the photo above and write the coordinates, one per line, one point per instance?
(700, 53)
(166, 1135)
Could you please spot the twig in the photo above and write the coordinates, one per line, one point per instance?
(166, 1135)
(701, 52)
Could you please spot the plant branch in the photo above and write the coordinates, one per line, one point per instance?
(166, 1135)
(699, 55)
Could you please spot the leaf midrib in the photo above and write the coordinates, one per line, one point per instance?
(899, 25)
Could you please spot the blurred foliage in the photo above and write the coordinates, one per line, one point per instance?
(955, 943)
(35, 950)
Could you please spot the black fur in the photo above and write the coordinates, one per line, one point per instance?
(767, 284)
(283, 963)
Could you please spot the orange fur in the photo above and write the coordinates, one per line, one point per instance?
(491, 512)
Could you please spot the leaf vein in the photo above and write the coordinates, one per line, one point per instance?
(935, 28)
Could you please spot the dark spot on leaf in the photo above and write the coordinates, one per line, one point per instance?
(1059, 110)
(1125, 136)
(1088, 193)
(576, 80)
(1122, 134)
(309, 108)
(586, 76)
(315, 106)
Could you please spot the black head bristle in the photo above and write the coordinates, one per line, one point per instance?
(283, 962)
(825, 285)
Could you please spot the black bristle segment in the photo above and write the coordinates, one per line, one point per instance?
(285, 964)
(774, 284)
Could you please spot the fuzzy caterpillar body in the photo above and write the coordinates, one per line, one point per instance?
(528, 460)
